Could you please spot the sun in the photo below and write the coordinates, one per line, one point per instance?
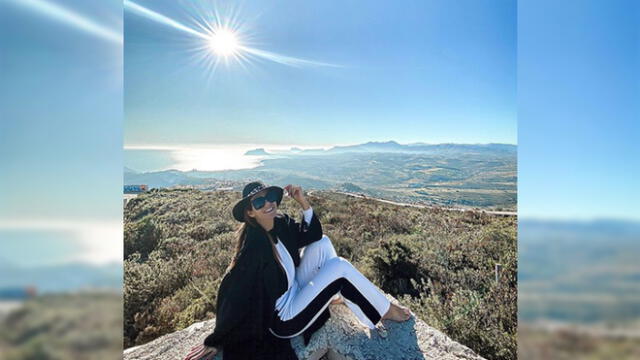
(224, 42)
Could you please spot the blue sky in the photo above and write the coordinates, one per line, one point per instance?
(60, 131)
(578, 109)
(61, 96)
(416, 71)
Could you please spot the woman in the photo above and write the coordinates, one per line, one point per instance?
(271, 294)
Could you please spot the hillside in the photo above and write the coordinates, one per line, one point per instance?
(583, 306)
(78, 326)
(439, 263)
(577, 343)
(597, 283)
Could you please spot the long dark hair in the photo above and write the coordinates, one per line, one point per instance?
(241, 238)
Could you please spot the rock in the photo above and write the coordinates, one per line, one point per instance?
(341, 338)
(260, 151)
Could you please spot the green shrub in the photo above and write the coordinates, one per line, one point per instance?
(393, 265)
(141, 237)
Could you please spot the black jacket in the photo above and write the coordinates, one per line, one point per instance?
(248, 293)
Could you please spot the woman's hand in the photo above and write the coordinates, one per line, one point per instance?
(296, 193)
(202, 352)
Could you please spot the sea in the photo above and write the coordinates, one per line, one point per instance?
(198, 157)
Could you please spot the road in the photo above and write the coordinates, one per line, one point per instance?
(490, 212)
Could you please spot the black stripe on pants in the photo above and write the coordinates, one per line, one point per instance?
(296, 325)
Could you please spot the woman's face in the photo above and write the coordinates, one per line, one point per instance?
(265, 214)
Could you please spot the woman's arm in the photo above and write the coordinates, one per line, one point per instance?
(310, 229)
(235, 297)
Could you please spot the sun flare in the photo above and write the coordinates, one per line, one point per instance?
(221, 38)
(224, 42)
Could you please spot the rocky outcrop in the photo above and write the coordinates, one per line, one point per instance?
(341, 338)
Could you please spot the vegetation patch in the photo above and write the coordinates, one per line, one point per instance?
(439, 263)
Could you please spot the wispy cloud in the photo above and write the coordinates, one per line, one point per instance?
(61, 14)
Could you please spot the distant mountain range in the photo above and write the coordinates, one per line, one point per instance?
(589, 229)
(462, 175)
(62, 278)
(393, 146)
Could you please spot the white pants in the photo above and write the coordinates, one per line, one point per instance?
(323, 276)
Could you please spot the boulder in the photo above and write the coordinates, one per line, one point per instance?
(341, 338)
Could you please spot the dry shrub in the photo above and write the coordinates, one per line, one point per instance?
(440, 263)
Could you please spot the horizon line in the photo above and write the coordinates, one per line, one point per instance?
(182, 146)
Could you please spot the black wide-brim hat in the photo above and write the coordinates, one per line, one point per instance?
(249, 190)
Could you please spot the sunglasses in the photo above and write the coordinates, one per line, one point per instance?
(259, 202)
